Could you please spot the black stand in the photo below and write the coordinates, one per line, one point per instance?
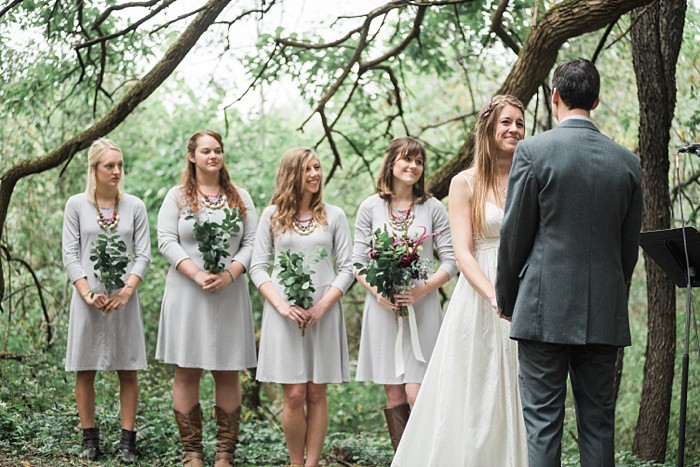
(677, 252)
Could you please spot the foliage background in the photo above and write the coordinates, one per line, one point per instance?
(38, 420)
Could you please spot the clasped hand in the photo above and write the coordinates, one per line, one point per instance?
(108, 303)
(303, 317)
(210, 282)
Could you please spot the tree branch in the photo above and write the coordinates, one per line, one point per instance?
(499, 30)
(10, 6)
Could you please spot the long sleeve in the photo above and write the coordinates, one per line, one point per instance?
(443, 239)
(71, 241)
(142, 240)
(363, 233)
(631, 226)
(168, 235)
(250, 225)
(263, 250)
(342, 250)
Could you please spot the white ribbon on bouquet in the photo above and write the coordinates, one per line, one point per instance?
(415, 343)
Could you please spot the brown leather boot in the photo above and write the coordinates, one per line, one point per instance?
(396, 419)
(190, 426)
(226, 436)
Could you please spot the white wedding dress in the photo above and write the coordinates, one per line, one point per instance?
(468, 411)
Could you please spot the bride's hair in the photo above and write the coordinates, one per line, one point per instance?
(486, 168)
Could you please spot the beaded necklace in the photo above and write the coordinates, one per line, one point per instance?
(108, 223)
(216, 201)
(304, 226)
(401, 220)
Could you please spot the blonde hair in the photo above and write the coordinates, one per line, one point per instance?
(486, 176)
(402, 148)
(288, 191)
(189, 177)
(98, 149)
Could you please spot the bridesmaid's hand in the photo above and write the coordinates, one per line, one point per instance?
(98, 300)
(385, 303)
(218, 282)
(294, 313)
(205, 280)
(411, 296)
(115, 302)
(314, 314)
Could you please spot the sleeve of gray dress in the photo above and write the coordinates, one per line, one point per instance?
(168, 236)
(363, 233)
(342, 251)
(263, 250)
(142, 240)
(443, 239)
(250, 225)
(71, 241)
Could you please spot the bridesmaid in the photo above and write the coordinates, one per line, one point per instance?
(206, 321)
(298, 220)
(105, 332)
(402, 204)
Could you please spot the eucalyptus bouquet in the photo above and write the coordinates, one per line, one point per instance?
(108, 253)
(295, 275)
(212, 238)
(394, 263)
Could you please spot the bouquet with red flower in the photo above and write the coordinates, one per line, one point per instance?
(394, 263)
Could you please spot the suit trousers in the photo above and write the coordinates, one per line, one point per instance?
(543, 373)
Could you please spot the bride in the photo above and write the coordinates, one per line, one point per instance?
(468, 411)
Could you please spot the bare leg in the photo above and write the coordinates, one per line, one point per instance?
(316, 422)
(395, 395)
(128, 397)
(227, 390)
(294, 421)
(85, 397)
(412, 392)
(186, 388)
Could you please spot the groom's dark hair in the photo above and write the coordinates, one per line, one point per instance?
(578, 83)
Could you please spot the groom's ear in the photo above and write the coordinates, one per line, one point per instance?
(595, 104)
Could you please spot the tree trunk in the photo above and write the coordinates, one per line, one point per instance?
(138, 93)
(565, 20)
(656, 40)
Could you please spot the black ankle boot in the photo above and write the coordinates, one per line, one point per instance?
(127, 447)
(91, 444)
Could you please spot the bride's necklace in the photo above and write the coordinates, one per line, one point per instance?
(304, 226)
(216, 201)
(401, 219)
(107, 223)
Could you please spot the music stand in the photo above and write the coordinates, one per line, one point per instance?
(669, 249)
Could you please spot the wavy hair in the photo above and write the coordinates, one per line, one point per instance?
(402, 148)
(486, 168)
(288, 191)
(98, 149)
(189, 177)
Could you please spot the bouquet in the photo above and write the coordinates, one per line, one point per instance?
(108, 253)
(295, 275)
(394, 263)
(212, 238)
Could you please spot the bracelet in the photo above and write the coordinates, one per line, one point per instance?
(230, 275)
(90, 292)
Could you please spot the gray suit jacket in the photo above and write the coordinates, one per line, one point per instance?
(570, 237)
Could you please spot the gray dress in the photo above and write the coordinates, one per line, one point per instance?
(321, 355)
(198, 329)
(98, 340)
(379, 330)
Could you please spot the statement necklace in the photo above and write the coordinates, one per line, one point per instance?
(216, 201)
(108, 223)
(401, 220)
(304, 226)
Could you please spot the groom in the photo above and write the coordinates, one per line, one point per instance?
(569, 243)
